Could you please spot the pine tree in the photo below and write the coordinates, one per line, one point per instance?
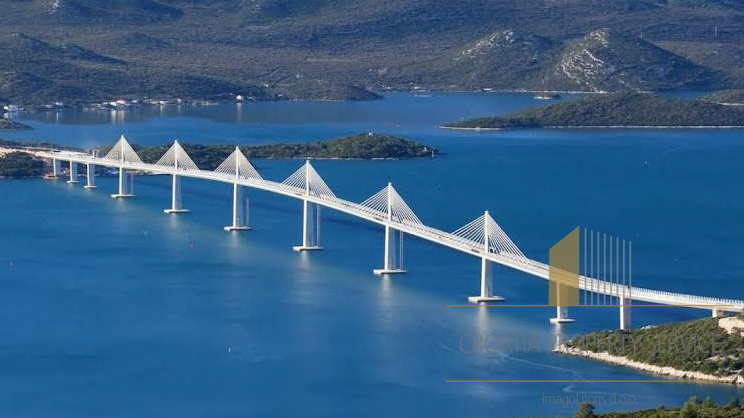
(586, 410)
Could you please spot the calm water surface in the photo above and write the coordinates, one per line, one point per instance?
(111, 308)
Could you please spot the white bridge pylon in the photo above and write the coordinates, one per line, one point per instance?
(176, 159)
(237, 166)
(308, 183)
(390, 206)
(123, 153)
(485, 233)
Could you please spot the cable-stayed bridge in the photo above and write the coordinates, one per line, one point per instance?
(482, 238)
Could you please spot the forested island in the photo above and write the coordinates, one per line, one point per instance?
(368, 146)
(365, 146)
(615, 110)
(9, 125)
(728, 97)
(705, 349)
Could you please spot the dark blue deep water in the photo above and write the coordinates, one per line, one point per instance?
(111, 308)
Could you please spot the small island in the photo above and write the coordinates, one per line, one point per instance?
(9, 125)
(709, 349)
(615, 110)
(366, 146)
(726, 97)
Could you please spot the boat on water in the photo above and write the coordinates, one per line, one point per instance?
(548, 96)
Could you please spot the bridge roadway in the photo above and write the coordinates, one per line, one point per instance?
(447, 239)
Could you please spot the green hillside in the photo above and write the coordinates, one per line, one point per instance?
(715, 352)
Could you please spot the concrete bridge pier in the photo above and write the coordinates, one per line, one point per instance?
(176, 199)
(717, 312)
(56, 167)
(240, 221)
(561, 316)
(73, 173)
(486, 287)
(625, 305)
(91, 176)
(126, 184)
(392, 263)
(310, 227)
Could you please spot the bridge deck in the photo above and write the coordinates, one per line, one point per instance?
(420, 230)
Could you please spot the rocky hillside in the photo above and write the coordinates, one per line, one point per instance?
(503, 59)
(605, 60)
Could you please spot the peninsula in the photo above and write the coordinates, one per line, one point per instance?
(616, 110)
(9, 125)
(726, 97)
(709, 349)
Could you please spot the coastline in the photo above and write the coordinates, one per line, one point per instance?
(661, 370)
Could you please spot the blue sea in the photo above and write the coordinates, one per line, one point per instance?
(110, 308)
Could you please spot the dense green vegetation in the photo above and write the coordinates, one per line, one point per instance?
(700, 346)
(10, 125)
(361, 146)
(617, 109)
(692, 408)
(267, 49)
(34, 144)
(735, 96)
(19, 165)
(208, 157)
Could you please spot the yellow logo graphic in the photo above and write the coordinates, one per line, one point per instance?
(605, 279)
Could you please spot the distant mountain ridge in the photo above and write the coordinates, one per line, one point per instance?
(269, 48)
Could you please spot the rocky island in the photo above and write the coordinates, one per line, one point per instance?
(615, 110)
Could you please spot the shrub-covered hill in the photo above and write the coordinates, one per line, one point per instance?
(696, 346)
(616, 109)
(361, 146)
(731, 97)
